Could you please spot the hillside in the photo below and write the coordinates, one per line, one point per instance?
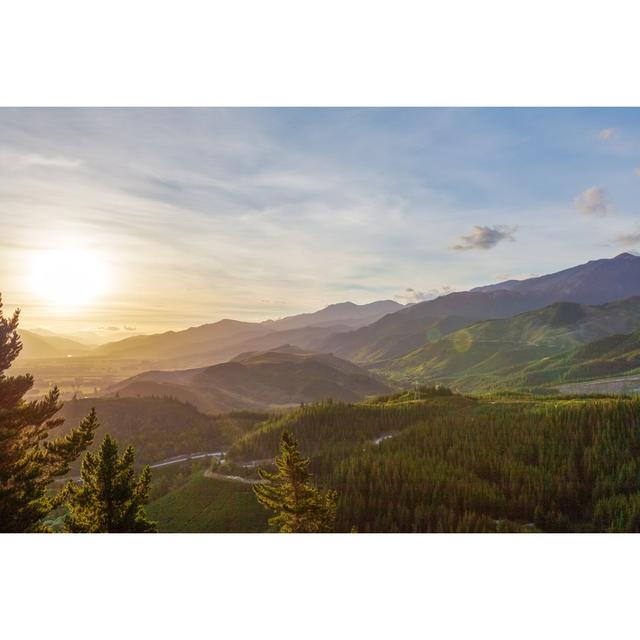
(614, 356)
(36, 346)
(158, 428)
(446, 463)
(398, 334)
(494, 353)
(207, 505)
(259, 380)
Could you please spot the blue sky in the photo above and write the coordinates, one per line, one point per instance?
(200, 214)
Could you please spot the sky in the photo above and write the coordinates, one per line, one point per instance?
(140, 220)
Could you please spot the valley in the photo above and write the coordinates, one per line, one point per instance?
(489, 410)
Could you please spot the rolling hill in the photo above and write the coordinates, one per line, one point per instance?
(209, 505)
(158, 428)
(459, 464)
(497, 352)
(36, 346)
(406, 330)
(614, 356)
(259, 380)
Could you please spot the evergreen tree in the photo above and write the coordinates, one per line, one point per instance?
(110, 499)
(29, 461)
(299, 506)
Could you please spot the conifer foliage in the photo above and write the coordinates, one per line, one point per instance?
(298, 505)
(29, 460)
(110, 499)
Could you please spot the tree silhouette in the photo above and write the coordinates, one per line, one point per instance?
(29, 461)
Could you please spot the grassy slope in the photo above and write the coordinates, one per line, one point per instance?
(498, 353)
(613, 356)
(211, 506)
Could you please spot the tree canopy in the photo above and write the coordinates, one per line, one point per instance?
(29, 460)
(110, 498)
(298, 505)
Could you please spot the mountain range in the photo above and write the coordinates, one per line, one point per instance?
(499, 335)
(219, 341)
(398, 334)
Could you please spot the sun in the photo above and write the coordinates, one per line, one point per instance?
(68, 277)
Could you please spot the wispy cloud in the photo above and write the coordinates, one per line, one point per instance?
(411, 296)
(629, 239)
(608, 134)
(502, 277)
(485, 237)
(593, 202)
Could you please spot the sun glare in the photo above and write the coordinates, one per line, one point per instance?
(68, 277)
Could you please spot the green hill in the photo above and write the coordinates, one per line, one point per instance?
(612, 356)
(207, 505)
(449, 463)
(494, 353)
(159, 428)
(332, 428)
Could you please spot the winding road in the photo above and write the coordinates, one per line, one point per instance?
(185, 457)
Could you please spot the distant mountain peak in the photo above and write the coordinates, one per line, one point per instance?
(339, 313)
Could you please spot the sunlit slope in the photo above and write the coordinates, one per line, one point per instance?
(207, 505)
(494, 353)
(259, 380)
(616, 355)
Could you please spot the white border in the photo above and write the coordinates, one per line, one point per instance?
(334, 52)
(319, 587)
(293, 52)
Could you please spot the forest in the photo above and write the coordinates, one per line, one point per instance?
(461, 464)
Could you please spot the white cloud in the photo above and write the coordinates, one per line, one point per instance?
(28, 160)
(608, 134)
(593, 201)
(502, 277)
(629, 239)
(485, 238)
(412, 296)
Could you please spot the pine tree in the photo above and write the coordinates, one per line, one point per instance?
(29, 461)
(109, 499)
(298, 505)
